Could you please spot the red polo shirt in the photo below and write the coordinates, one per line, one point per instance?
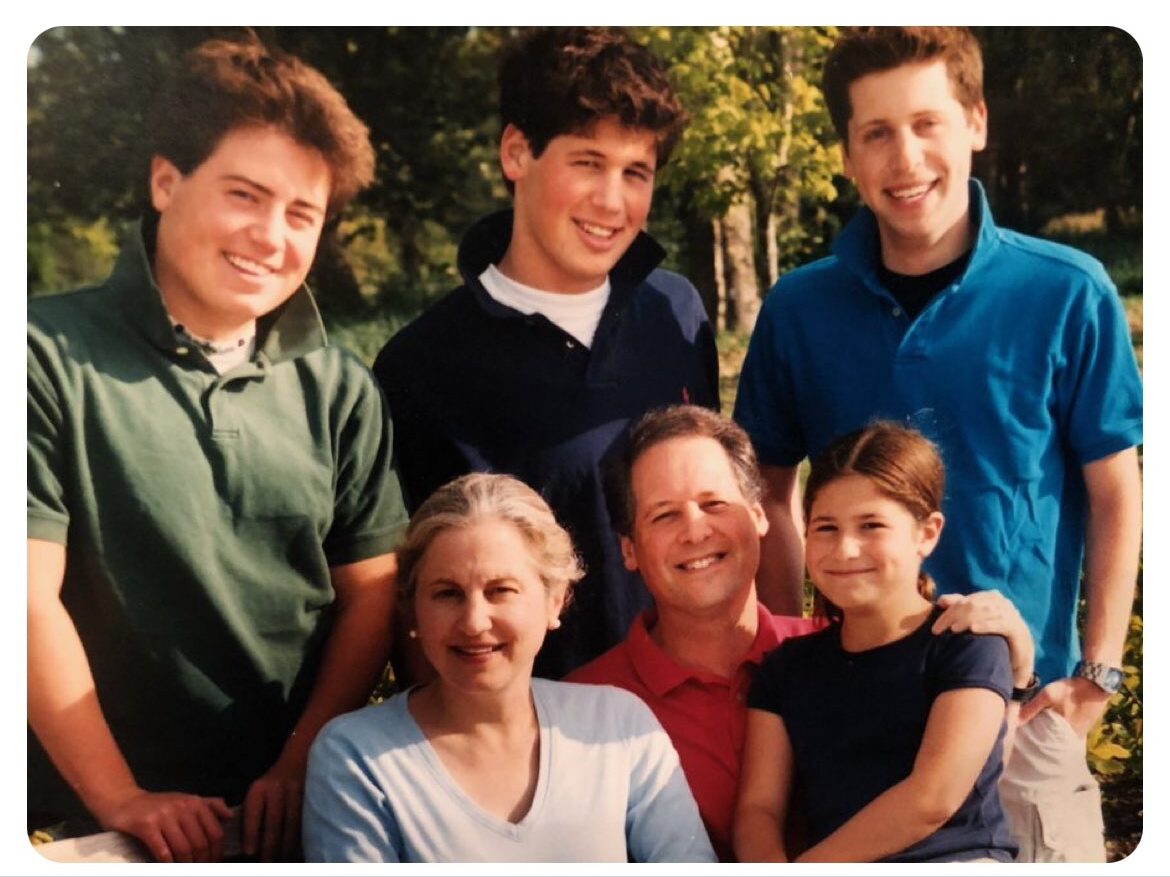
(703, 714)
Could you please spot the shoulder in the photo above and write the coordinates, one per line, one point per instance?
(804, 290)
(594, 705)
(965, 660)
(612, 667)
(437, 320)
(681, 294)
(1056, 256)
(1062, 273)
(69, 312)
(364, 730)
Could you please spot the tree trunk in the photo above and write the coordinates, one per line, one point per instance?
(720, 275)
(743, 286)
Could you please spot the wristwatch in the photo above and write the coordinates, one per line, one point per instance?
(1107, 678)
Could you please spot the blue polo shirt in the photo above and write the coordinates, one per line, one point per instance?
(476, 386)
(1021, 371)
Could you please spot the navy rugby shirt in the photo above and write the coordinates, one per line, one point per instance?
(475, 385)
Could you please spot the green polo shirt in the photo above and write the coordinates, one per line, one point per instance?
(201, 514)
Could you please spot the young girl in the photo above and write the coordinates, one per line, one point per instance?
(894, 734)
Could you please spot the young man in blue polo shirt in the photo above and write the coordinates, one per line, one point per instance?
(1011, 353)
(211, 505)
(563, 330)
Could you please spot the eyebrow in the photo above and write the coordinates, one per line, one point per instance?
(597, 153)
(299, 202)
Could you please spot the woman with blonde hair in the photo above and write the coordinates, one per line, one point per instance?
(486, 763)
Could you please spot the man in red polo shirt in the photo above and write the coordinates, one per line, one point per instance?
(685, 500)
(684, 497)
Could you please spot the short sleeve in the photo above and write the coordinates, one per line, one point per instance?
(966, 660)
(369, 513)
(48, 513)
(662, 819)
(345, 816)
(765, 403)
(767, 688)
(1100, 390)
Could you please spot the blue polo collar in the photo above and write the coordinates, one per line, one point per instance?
(858, 246)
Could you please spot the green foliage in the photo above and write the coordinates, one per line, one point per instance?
(69, 253)
(762, 132)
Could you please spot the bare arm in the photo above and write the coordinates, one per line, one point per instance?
(355, 655)
(764, 788)
(990, 613)
(64, 713)
(780, 581)
(1111, 563)
(960, 732)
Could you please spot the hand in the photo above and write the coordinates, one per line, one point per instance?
(990, 612)
(174, 827)
(1078, 700)
(272, 813)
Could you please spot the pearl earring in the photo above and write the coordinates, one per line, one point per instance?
(412, 633)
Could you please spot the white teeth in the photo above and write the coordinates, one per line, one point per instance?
(701, 563)
(598, 231)
(911, 194)
(245, 264)
(476, 650)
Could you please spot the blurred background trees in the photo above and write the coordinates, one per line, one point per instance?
(754, 187)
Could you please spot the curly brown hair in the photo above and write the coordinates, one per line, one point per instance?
(557, 81)
(225, 84)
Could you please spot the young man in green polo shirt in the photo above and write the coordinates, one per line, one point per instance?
(211, 505)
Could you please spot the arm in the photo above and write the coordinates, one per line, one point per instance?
(765, 783)
(349, 816)
(1111, 564)
(960, 733)
(662, 820)
(989, 612)
(780, 581)
(64, 713)
(354, 656)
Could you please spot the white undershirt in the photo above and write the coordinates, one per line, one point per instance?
(578, 313)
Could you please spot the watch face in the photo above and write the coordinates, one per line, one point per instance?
(1112, 680)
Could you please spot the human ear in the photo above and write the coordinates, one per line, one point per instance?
(629, 558)
(164, 178)
(929, 531)
(760, 519)
(556, 603)
(515, 153)
(977, 124)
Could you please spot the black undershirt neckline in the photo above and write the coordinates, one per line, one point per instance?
(915, 291)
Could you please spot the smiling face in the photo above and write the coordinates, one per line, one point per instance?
(481, 608)
(909, 152)
(237, 234)
(579, 206)
(863, 549)
(695, 537)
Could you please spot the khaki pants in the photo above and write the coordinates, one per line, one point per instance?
(1051, 800)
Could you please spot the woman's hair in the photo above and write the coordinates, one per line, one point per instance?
(478, 497)
(900, 462)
